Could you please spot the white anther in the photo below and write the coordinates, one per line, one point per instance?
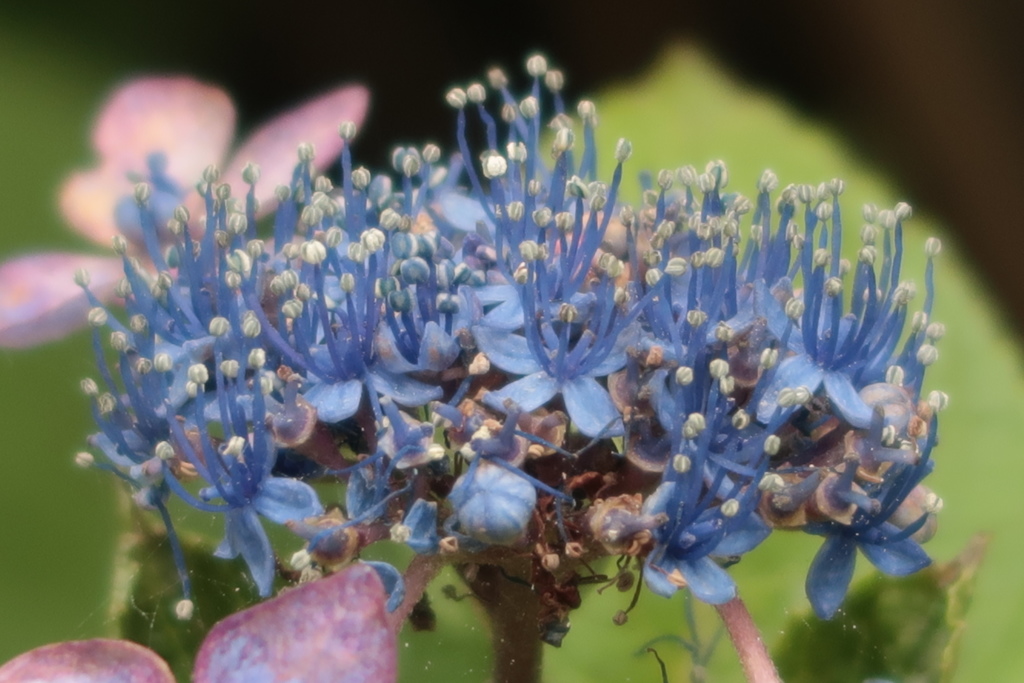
(163, 450)
(932, 247)
(257, 359)
(769, 357)
(794, 308)
(696, 318)
(313, 252)
(718, 368)
(724, 333)
(456, 98)
(219, 326)
(768, 181)
(476, 93)
(729, 508)
(198, 373)
(494, 165)
(938, 400)
(927, 354)
(681, 463)
(97, 316)
(895, 375)
(694, 425)
(771, 482)
(772, 444)
(741, 419)
(184, 609)
(684, 376)
(536, 66)
(933, 504)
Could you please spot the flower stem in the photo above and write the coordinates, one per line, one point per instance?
(513, 611)
(757, 663)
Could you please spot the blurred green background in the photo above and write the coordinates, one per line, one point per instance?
(58, 524)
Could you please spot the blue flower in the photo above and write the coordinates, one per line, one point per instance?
(889, 548)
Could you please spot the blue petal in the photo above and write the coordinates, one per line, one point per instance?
(795, 371)
(394, 585)
(461, 212)
(335, 402)
(243, 534)
(405, 391)
(510, 352)
(529, 393)
(437, 349)
(506, 316)
(656, 576)
(591, 408)
(707, 581)
(629, 337)
(422, 523)
(388, 354)
(492, 504)
(281, 500)
(743, 537)
(359, 495)
(846, 400)
(829, 576)
(898, 558)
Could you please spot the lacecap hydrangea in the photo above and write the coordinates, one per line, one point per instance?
(500, 357)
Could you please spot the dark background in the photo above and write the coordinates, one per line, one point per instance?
(933, 90)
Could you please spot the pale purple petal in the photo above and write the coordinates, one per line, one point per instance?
(462, 212)
(335, 402)
(87, 661)
(510, 352)
(329, 631)
(846, 400)
(528, 393)
(273, 145)
(405, 391)
(591, 408)
(39, 300)
(829, 576)
(244, 535)
(707, 581)
(795, 371)
(438, 350)
(191, 122)
(896, 558)
(281, 500)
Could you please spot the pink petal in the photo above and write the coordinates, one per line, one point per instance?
(329, 631)
(39, 300)
(88, 199)
(87, 661)
(273, 144)
(191, 122)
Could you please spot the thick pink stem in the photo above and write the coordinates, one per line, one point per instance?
(757, 663)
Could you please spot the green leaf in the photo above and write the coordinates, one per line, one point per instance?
(906, 629)
(147, 589)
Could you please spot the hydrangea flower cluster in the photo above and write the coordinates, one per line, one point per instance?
(498, 358)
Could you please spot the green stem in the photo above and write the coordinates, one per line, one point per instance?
(757, 663)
